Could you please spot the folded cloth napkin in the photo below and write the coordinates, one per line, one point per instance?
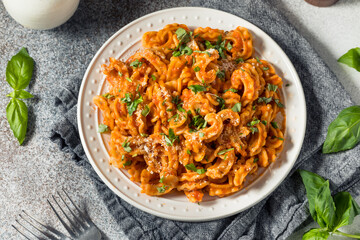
(282, 212)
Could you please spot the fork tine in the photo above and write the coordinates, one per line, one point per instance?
(82, 214)
(51, 229)
(27, 229)
(72, 213)
(20, 232)
(62, 222)
(45, 233)
(72, 224)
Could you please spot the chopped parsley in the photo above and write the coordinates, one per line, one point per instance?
(277, 101)
(264, 122)
(129, 79)
(205, 52)
(188, 151)
(264, 99)
(120, 74)
(236, 107)
(144, 134)
(131, 105)
(197, 122)
(197, 88)
(153, 77)
(265, 68)
(169, 110)
(221, 102)
(171, 138)
(229, 46)
(253, 122)
(162, 189)
(192, 167)
(275, 125)
(182, 35)
(201, 134)
(230, 90)
(127, 163)
(225, 151)
(220, 74)
(272, 87)
(145, 111)
(103, 128)
(136, 64)
(239, 60)
(258, 60)
(108, 95)
(197, 68)
(163, 103)
(126, 146)
(161, 180)
(254, 130)
(256, 160)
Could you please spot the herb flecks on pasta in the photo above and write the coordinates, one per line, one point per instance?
(193, 111)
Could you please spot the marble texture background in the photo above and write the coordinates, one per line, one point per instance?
(29, 174)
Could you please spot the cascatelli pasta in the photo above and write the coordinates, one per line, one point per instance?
(193, 111)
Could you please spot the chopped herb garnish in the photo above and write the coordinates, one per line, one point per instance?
(273, 137)
(126, 146)
(208, 45)
(176, 54)
(225, 157)
(221, 102)
(171, 138)
(229, 46)
(197, 88)
(103, 128)
(127, 163)
(253, 122)
(242, 69)
(161, 180)
(163, 103)
(236, 107)
(265, 68)
(275, 125)
(258, 60)
(201, 134)
(197, 110)
(153, 77)
(225, 151)
(197, 122)
(220, 74)
(188, 151)
(131, 105)
(108, 95)
(280, 105)
(122, 157)
(144, 134)
(175, 100)
(145, 111)
(169, 110)
(272, 87)
(182, 36)
(205, 52)
(264, 122)
(174, 116)
(230, 90)
(254, 107)
(120, 74)
(193, 168)
(256, 160)
(197, 68)
(254, 130)
(129, 79)
(193, 60)
(239, 60)
(264, 99)
(162, 189)
(136, 64)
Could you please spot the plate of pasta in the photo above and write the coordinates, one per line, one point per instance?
(191, 114)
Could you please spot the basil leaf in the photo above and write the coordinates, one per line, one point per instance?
(316, 234)
(192, 167)
(17, 116)
(153, 77)
(22, 94)
(161, 180)
(197, 88)
(253, 122)
(229, 46)
(103, 128)
(126, 146)
(107, 95)
(312, 183)
(220, 74)
(136, 64)
(196, 69)
(351, 58)
(272, 87)
(274, 125)
(162, 189)
(254, 130)
(198, 122)
(231, 90)
(208, 45)
(127, 163)
(236, 107)
(346, 210)
(239, 60)
(264, 99)
(344, 132)
(182, 36)
(19, 70)
(278, 103)
(324, 206)
(221, 102)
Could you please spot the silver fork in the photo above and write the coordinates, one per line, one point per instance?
(80, 226)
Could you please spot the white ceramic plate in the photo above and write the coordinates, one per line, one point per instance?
(176, 206)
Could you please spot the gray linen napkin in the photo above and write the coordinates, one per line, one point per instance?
(286, 209)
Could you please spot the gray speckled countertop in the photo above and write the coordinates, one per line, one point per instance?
(31, 173)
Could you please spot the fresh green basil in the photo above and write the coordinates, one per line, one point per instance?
(264, 99)
(230, 90)
(225, 151)
(221, 102)
(236, 107)
(272, 87)
(197, 88)
(131, 105)
(220, 74)
(171, 138)
(192, 167)
(329, 212)
(103, 128)
(17, 116)
(136, 63)
(344, 132)
(19, 72)
(145, 111)
(351, 58)
(126, 146)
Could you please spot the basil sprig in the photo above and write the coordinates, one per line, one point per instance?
(351, 58)
(329, 212)
(193, 168)
(19, 72)
(344, 132)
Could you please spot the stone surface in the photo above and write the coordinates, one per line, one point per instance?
(32, 173)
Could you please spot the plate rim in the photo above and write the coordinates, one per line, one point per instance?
(149, 210)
